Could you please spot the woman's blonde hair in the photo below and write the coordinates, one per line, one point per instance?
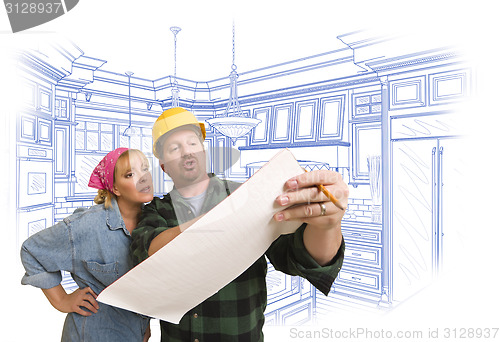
(104, 195)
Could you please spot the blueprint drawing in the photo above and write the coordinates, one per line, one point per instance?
(387, 111)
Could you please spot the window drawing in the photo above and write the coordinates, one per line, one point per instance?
(395, 105)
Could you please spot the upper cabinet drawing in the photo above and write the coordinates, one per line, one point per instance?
(386, 122)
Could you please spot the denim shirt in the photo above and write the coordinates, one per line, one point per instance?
(93, 245)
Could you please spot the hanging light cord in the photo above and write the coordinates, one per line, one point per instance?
(234, 65)
(175, 91)
(175, 30)
(175, 57)
(233, 107)
(129, 104)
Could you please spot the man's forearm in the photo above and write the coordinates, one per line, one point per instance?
(162, 239)
(168, 235)
(322, 244)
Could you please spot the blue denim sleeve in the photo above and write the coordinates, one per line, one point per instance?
(45, 254)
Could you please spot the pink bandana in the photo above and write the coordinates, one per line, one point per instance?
(102, 176)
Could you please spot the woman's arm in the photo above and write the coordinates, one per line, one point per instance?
(147, 335)
(45, 254)
(73, 302)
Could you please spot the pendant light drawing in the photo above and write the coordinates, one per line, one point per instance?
(175, 90)
(130, 131)
(233, 123)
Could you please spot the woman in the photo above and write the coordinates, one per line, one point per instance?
(93, 244)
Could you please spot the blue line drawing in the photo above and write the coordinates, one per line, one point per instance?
(384, 119)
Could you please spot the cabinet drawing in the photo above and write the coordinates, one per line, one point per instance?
(290, 300)
(396, 107)
(35, 129)
(35, 189)
(361, 274)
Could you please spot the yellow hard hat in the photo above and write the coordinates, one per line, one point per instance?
(171, 119)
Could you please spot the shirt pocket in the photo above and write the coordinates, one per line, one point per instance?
(104, 273)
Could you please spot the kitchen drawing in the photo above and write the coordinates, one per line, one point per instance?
(381, 113)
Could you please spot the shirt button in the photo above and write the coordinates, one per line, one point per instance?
(195, 315)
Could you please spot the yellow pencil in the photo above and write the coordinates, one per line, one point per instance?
(329, 195)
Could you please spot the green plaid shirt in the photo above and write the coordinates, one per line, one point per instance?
(236, 312)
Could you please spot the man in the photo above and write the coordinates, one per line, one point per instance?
(315, 251)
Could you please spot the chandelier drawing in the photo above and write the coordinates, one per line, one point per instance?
(233, 123)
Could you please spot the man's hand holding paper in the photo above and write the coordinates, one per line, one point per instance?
(306, 203)
(302, 192)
